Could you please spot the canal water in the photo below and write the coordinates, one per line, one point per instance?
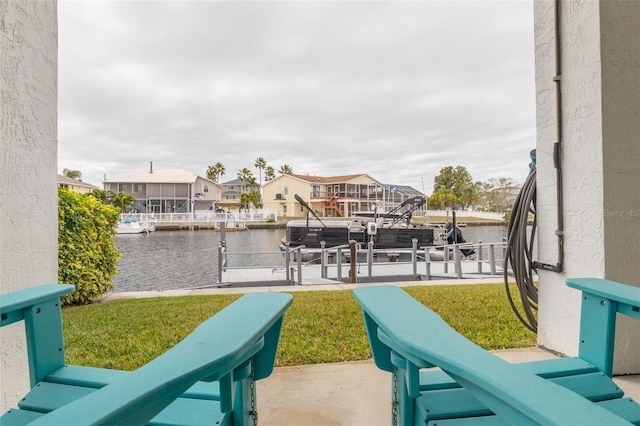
(170, 260)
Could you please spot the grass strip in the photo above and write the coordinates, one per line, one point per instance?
(320, 326)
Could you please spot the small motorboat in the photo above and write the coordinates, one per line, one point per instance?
(133, 227)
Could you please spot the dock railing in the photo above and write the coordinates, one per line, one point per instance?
(290, 256)
(418, 262)
(487, 256)
(485, 253)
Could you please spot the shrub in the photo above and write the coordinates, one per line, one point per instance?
(87, 253)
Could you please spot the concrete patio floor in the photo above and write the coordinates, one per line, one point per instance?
(354, 393)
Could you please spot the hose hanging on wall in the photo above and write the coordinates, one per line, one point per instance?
(519, 253)
(520, 247)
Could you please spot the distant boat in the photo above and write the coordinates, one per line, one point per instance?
(387, 231)
(135, 227)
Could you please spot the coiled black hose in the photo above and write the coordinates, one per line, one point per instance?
(519, 254)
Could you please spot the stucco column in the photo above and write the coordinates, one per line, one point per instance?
(28, 150)
(600, 155)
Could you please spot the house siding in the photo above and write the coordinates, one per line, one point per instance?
(179, 196)
(337, 196)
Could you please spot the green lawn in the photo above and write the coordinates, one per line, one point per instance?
(320, 326)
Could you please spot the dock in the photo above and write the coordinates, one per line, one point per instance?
(313, 274)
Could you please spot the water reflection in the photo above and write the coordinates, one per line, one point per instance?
(165, 260)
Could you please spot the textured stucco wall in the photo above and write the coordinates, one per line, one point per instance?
(600, 116)
(620, 28)
(28, 194)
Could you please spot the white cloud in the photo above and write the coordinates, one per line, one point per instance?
(396, 90)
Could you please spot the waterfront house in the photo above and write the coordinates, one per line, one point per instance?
(231, 193)
(168, 191)
(75, 184)
(333, 196)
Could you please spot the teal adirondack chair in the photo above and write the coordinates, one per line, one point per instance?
(473, 386)
(208, 378)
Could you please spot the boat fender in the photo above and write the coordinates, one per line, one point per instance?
(371, 228)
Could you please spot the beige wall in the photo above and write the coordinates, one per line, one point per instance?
(214, 193)
(28, 178)
(285, 187)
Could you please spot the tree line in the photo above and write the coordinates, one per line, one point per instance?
(217, 170)
(454, 188)
(253, 196)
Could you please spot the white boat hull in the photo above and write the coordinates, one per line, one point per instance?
(134, 227)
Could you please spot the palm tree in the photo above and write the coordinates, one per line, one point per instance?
(105, 196)
(471, 194)
(255, 199)
(285, 169)
(252, 197)
(214, 172)
(123, 200)
(260, 164)
(73, 174)
(245, 175)
(244, 200)
(269, 173)
(444, 196)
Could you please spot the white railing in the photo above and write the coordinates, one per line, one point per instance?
(467, 213)
(206, 216)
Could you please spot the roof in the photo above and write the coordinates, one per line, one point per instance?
(160, 176)
(235, 182)
(406, 190)
(329, 179)
(71, 181)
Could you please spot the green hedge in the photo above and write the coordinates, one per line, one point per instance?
(87, 253)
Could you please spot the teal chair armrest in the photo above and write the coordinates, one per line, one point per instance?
(40, 309)
(602, 300)
(13, 305)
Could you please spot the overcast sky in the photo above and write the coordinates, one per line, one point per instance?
(396, 90)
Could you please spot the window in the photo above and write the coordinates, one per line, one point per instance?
(206, 188)
(137, 187)
(286, 190)
(284, 209)
(122, 187)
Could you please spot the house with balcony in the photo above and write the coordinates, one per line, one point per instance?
(75, 184)
(231, 193)
(333, 196)
(168, 191)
